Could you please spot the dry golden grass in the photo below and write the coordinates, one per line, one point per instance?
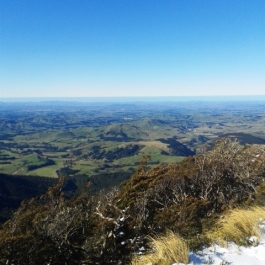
(167, 250)
(238, 225)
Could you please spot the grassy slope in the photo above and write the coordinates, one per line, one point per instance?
(78, 142)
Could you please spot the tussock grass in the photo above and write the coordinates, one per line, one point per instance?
(238, 225)
(168, 249)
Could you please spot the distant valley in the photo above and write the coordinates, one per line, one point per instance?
(73, 139)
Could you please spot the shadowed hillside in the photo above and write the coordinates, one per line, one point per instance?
(15, 189)
(244, 138)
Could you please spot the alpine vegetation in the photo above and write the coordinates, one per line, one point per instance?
(130, 224)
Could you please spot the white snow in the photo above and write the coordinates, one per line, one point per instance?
(232, 255)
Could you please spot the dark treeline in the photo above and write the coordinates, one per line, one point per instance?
(48, 162)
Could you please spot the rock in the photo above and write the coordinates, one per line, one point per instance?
(253, 241)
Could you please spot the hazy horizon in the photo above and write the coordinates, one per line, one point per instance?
(135, 99)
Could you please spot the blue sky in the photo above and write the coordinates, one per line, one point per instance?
(131, 48)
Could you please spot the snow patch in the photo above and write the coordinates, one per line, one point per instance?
(232, 255)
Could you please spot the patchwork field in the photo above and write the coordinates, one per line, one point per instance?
(93, 139)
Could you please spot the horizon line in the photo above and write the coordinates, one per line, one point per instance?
(134, 98)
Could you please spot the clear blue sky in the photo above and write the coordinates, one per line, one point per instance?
(87, 48)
